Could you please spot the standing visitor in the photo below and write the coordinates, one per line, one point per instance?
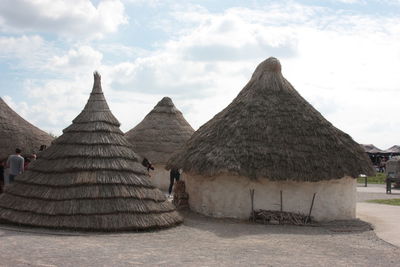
(382, 165)
(174, 175)
(16, 165)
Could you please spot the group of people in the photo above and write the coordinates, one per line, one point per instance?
(16, 164)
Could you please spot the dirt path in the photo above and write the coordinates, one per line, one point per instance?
(202, 242)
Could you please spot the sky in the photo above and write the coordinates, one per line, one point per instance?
(342, 56)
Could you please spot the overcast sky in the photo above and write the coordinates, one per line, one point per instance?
(343, 56)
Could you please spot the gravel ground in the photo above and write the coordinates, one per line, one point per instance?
(202, 241)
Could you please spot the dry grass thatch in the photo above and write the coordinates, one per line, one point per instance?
(89, 179)
(162, 132)
(270, 131)
(15, 132)
(370, 148)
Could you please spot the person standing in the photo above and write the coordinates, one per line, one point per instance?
(16, 165)
(174, 175)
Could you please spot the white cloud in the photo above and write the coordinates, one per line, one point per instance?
(345, 65)
(77, 18)
(30, 51)
(81, 59)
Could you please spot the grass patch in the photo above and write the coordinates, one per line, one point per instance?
(393, 201)
(379, 178)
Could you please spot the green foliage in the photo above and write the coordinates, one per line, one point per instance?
(379, 178)
(393, 201)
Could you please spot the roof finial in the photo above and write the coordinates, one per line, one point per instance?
(97, 83)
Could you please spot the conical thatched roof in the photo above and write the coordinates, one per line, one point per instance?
(393, 149)
(17, 132)
(89, 179)
(370, 148)
(162, 132)
(270, 131)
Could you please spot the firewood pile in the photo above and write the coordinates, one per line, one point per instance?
(181, 198)
(280, 217)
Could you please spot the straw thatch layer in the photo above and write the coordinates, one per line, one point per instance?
(108, 222)
(89, 179)
(270, 131)
(162, 132)
(16, 132)
(85, 177)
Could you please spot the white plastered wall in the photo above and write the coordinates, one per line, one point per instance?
(160, 177)
(228, 196)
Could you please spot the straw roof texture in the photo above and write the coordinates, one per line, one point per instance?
(370, 148)
(270, 131)
(393, 150)
(15, 132)
(89, 179)
(162, 132)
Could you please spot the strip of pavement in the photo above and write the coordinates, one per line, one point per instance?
(384, 218)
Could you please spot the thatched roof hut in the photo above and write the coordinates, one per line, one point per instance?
(89, 179)
(268, 133)
(17, 132)
(371, 149)
(162, 132)
(394, 150)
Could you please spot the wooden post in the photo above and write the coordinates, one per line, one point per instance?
(281, 202)
(252, 217)
(312, 204)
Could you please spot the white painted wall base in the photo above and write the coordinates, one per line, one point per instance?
(228, 196)
(160, 177)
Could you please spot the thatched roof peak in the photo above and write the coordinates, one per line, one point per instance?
(165, 102)
(270, 131)
(97, 83)
(271, 64)
(165, 105)
(96, 108)
(162, 132)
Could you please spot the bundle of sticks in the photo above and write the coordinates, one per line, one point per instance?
(280, 217)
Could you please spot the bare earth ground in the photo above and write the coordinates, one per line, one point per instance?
(202, 241)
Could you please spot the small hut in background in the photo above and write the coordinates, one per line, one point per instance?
(392, 151)
(271, 139)
(89, 179)
(160, 134)
(374, 153)
(17, 132)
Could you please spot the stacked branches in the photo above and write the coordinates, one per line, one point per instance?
(16, 132)
(162, 132)
(89, 179)
(270, 131)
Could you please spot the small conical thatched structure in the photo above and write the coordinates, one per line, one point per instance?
(89, 179)
(271, 139)
(160, 134)
(15, 132)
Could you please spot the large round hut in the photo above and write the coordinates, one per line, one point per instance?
(160, 134)
(89, 179)
(271, 139)
(15, 132)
